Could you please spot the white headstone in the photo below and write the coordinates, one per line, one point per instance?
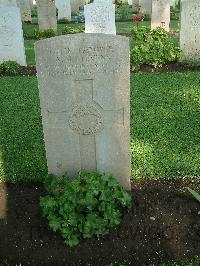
(11, 35)
(160, 16)
(46, 11)
(64, 9)
(25, 9)
(145, 6)
(84, 87)
(190, 29)
(172, 3)
(100, 17)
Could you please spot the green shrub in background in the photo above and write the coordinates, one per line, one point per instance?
(152, 47)
(85, 206)
(40, 34)
(10, 67)
(71, 30)
(123, 11)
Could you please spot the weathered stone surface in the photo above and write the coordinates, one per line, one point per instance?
(76, 5)
(160, 16)
(11, 35)
(25, 9)
(64, 9)
(85, 103)
(172, 3)
(135, 5)
(100, 17)
(145, 6)
(190, 29)
(8, 3)
(46, 10)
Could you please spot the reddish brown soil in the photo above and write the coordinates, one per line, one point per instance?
(162, 225)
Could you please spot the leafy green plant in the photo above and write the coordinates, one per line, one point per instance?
(48, 33)
(10, 67)
(71, 30)
(194, 193)
(83, 207)
(152, 47)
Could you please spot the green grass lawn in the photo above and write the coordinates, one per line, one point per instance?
(165, 126)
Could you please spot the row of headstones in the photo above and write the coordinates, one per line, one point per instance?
(65, 8)
(99, 18)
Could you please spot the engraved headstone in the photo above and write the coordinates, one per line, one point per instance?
(100, 17)
(84, 96)
(160, 16)
(11, 34)
(46, 11)
(25, 9)
(64, 9)
(145, 6)
(190, 29)
(76, 5)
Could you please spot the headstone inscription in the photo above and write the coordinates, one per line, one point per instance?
(190, 30)
(100, 17)
(85, 103)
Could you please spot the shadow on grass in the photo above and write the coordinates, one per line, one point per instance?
(165, 125)
(21, 139)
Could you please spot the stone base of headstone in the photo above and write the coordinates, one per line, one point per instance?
(84, 87)
(11, 35)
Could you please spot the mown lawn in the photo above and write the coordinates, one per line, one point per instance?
(165, 126)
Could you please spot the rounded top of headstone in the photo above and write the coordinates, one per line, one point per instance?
(81, 37)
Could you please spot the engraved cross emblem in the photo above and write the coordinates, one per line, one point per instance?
(85, 118)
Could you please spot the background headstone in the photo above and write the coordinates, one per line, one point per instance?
(145, 6)
(11, 35)
(76, 4)
(64, 9)
(190, 29)
(160, 16)
(135, 5)
(46, 11)
(173, 3)
(84, 87)
(100, 17)
(25, 9)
